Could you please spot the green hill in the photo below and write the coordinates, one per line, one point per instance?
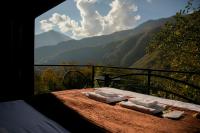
(118, 49)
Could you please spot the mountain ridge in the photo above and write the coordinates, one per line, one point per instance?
(50, 38)
(118, 49)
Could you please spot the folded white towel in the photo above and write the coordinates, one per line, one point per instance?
(137, 107)
(173, 114)
(107, 94)
(105, 99)
(143, 102)
(150, 110)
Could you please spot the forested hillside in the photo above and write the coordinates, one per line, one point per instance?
(118, 49)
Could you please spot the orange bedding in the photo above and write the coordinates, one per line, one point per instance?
(114, 118)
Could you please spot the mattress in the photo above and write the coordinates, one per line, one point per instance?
(114, 118)
(19, 117)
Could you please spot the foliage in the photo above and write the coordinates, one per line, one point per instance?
(179, 49)
(49, 79)
(179, 41)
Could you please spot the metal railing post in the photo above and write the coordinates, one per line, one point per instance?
(149, 81)
(107, 80)
(93, 74)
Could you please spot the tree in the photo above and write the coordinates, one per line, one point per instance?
(50, 79)
(178, 41)
(178, 44)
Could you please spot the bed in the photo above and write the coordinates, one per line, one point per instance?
(114, 118)
(20, 117)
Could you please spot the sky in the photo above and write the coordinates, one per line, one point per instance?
(85, 18)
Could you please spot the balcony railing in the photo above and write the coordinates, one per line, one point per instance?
(178, 85)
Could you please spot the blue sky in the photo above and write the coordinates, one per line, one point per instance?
(84, 18)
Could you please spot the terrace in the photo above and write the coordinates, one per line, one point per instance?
(158, 85)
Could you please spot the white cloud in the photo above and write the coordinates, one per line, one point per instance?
(122, 16)
(63, 22)
(45, 25)
(137, 17)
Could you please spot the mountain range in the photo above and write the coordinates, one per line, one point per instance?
(50, 38)
(124, 48)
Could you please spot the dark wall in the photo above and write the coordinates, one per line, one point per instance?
(17, 63)
(17, 46)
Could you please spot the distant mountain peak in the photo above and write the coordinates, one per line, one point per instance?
(50, 38)
(50, 31)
